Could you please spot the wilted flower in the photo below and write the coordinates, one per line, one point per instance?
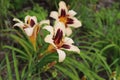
(67, 17)
(58, 41)
(30, 27)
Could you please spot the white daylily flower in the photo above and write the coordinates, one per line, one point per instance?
(30, 27)
(30, 24)
(57, 39)
(67, 17)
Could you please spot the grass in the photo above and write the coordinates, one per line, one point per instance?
(98, 40)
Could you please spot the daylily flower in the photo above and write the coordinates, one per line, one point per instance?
(67, 17)
(30, 27)
(58, 41)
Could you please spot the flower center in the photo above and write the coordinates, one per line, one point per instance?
(63, 19)
(59, 45)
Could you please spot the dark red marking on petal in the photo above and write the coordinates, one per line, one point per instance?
(66, 46)
(69, 21)
(58, 36)
(32, 23)
(63, 13)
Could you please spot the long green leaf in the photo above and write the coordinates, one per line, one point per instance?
(28, 48)
(0, 77)
(15, 66)
(67, 72)
(87, 72)
(17, 50)
(8, 68)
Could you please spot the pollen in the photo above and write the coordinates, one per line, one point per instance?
(63, 19)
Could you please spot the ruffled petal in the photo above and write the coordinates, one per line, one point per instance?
(61, 55)
(68, 40)
(68, 31)
(62, 9)
(29, 31)
(54, 14)
(49, 28)
(17, 20)
(76, 23)
(49, 39)
(44, 22)
(27, 18)
(71, 13)
(21, 25)
(74, 49)
(61, 26)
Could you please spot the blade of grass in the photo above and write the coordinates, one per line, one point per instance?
(23, 73)
(67, 72)
(8, 68)
(23, 43)
(15, 66)
(0, 77)
(17, 50)
(81, 67)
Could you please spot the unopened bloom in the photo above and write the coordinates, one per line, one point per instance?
(30, 27)
(67, 17)
(58, 41)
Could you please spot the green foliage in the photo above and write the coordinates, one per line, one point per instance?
(4, 6)
(37, 11)
(17, 4)
(101, 41)
(9, 70)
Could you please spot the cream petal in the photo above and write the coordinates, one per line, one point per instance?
(54, 14)
(44, 22)
(29, 31)
(68, 31)
(71, 13)
(68, 40)
(62, 6)
(61, 55)
(27, 18)
(76, 23)
(48, 39)
(17, 20)
(74, 49)
(21, 25)
(59, 25)
(49, 28)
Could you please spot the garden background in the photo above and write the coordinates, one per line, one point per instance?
(98, 40)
